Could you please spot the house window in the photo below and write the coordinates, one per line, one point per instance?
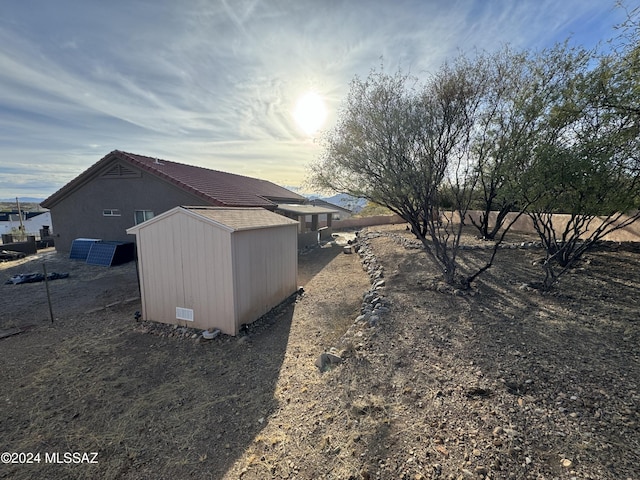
(143, 216)
(111, 212)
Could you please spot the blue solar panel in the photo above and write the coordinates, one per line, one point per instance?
(101, 253)
(80, 248)
(107, 254)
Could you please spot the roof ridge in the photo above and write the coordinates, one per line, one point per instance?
(133, 157)
(213, 186)
(129, 154)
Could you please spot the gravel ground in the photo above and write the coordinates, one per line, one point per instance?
(503, 382)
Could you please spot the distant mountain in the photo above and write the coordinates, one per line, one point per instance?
(343, 200)
(22, 200)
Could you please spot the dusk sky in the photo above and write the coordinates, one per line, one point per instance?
(217, 83)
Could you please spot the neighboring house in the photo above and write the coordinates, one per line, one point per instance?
(340, 213)
(123, 189)
(208, 267)
(32, 222)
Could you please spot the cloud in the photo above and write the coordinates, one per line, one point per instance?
(216, 82)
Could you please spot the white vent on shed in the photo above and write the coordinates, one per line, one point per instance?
(184, 314)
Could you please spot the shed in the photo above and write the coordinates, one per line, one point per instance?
(213, 267)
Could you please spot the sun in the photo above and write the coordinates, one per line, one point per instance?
(310, 113)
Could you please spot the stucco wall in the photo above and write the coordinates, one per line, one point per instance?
(80, 214)
(359, 222)
(522, 224)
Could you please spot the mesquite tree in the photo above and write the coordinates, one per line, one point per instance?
(508, 126)
(586, 162)
(406, 146)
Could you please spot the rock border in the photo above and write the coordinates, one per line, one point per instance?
(375, 305)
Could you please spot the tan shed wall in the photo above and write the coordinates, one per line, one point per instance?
(185, 262)
(266, 269)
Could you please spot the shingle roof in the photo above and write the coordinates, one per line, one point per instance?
(213, 186)
(232, 219)
(242, 218)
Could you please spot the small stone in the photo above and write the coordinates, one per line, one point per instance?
(480, 470)
(442, 450)
(326, 360)
(566, 463)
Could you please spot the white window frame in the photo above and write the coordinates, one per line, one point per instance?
(111, 212)
(146, 214)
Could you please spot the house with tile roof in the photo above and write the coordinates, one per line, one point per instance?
(124, 189)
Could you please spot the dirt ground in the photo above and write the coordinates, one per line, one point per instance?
(504, 382)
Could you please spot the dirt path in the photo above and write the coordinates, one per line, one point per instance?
(156, 406)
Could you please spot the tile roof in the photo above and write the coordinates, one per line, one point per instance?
(213, 186)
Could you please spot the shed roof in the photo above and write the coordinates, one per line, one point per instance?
(243, 218)
(213, 186)
(230, 219)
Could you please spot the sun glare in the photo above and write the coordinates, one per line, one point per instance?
(310, 113)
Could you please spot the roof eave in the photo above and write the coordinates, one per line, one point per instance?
(78, 181)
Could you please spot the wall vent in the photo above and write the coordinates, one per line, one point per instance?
(121, 171)
(184, 314)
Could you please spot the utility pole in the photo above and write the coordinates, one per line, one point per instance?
(20, 217)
